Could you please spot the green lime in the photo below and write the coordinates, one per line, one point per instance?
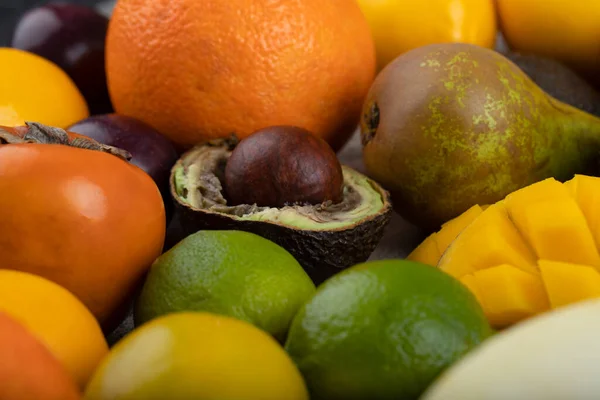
(384, 330)
(233, 273)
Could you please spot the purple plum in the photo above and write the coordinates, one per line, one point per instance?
(150, 151)
(73, 37)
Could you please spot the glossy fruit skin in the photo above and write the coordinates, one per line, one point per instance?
(28, 371)
(283, 165)
(560, 29)
(73, 37)
(150, 151)
(383, 330)
(197, 356)
(402, 25)
(84, 219)
(183, 67)
(57, 319)
(34, 89)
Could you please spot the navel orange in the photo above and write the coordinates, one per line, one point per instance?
(196, 70)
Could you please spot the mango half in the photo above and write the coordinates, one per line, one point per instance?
(534, 251)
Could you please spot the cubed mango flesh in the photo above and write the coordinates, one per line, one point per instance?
(569, 283)
(557, 230)
(431, 249)
(586, 192)
(451, 229)
(491, 239)
(509, 295)
(426, 252)
(470, 282)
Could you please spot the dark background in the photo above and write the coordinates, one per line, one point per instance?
(11, 10)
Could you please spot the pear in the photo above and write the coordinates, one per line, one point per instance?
(448, 126)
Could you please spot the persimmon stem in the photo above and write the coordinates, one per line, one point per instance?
(43, 134)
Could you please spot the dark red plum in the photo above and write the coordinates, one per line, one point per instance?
(73, 37)
(150, 151)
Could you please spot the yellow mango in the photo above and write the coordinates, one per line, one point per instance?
(426, 252)
(509, 294)
(470, 282)
(557, 230)
(586, 191)
(451, 229)
(569, 283)
(491, 239)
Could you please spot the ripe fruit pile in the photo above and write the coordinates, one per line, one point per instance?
(175, 166)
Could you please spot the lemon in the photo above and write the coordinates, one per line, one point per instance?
(402, 25)
(37, 90)
(384, 330)
(232, 273)
(199, 356)
(57, 318)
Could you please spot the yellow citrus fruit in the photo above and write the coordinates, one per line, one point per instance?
(198, 356)
(10, 117)
(402, 25)
(34, 89)
(56, 318)
(562, 29)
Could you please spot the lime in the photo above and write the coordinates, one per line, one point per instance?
(232, 273)
(200, 356)
(384, 330)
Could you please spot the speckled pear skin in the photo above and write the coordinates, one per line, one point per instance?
(448, 126)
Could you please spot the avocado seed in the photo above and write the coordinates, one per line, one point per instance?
(283, 165)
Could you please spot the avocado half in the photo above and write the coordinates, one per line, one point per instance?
(324, 238)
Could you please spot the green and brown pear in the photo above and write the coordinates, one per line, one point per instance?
(448, 126)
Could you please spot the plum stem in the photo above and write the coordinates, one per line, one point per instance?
(43, 134)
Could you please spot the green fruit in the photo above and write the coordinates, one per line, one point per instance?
(231, 273)
(384, 330)
(451, 125)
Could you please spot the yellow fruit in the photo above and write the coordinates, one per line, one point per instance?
(431, 249)
(57, 318)
(34, 89)
(533, 251)
(9, 117)
(566, 30)
(197, 356)
(402, 25)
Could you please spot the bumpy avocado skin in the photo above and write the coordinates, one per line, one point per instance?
(448, 126)
(322, 254)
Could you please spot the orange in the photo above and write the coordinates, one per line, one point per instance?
(203, 69)
(34, 89)
(402, 25)
(28, 371)
(56, 318)
(562, 29)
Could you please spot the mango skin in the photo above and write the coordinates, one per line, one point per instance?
(447, 126)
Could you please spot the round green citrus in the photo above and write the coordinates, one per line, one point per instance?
(203, 356)
(232, 273)
(384, 330)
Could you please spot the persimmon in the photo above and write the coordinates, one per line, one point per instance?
(77, 213)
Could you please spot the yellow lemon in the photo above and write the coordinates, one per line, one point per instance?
(56, 318)
(402, 25)
(199, 356)
(34, 89)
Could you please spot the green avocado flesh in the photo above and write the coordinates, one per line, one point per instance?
(198, 177)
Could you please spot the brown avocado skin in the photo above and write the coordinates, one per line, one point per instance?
(448, 126)
(559, 81)
(321, 253)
